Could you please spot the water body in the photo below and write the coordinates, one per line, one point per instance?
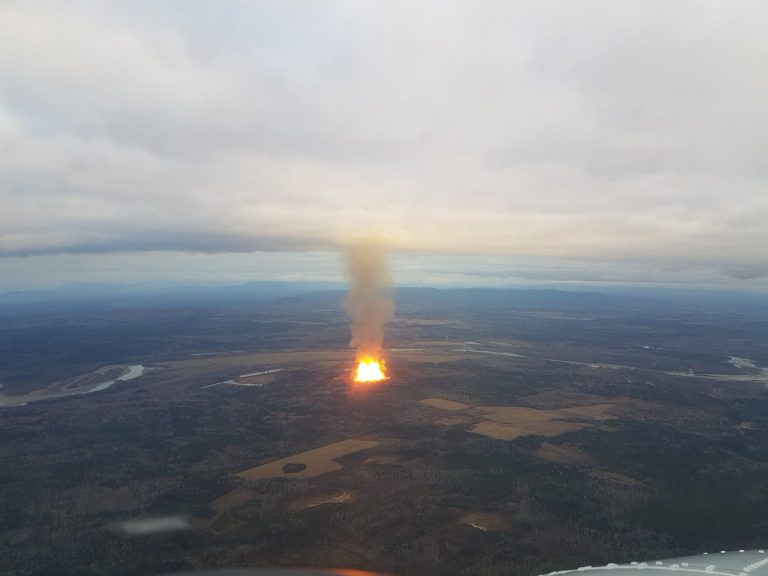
(129, 373)
(741, 362)
(492, 352)
(758, 373)
(260, 373)
(248, 384)
(133, 372)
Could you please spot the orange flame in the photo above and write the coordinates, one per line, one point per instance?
(370, 370)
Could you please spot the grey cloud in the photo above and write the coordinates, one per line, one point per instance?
(99, 242)
(750, 272)
(629, 132)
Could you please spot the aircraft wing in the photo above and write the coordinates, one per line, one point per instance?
(739, 563)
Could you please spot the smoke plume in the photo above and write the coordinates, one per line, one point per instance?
(370, 300)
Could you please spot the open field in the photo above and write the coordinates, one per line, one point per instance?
(232, 499)
(223, 522)
(620, 478)
(509, 432)
(563, 454)
(317, 462)
(444, 404)
(486, 521)
(529, 417)
(342, 497)
(388, 457)
(510, 422)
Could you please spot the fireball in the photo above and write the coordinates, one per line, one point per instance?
(370, 371)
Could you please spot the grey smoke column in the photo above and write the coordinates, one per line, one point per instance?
(370, 301)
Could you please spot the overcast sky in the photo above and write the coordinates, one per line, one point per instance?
(539, 140)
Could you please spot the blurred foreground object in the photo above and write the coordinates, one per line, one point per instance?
(741, 563)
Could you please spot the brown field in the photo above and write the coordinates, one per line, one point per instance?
(453, 420)
(508, 432)
(312, 501)
(510, 422)
(232, 499)
(486, 521)
(565, 398)
(527, 416)
(563, 454)
(387, 458)
(444, 404)
(620, 478)
(223, 522)
(318, 461)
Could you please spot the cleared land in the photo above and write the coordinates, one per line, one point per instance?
(318, 461)
(486, 521)
(508, 432)
(223, 522)
(517, 414)
(232, 499)
(443, 404)
(312, 501)
(620, 478)
(563, 454)
(386, 458)
(510, 422)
